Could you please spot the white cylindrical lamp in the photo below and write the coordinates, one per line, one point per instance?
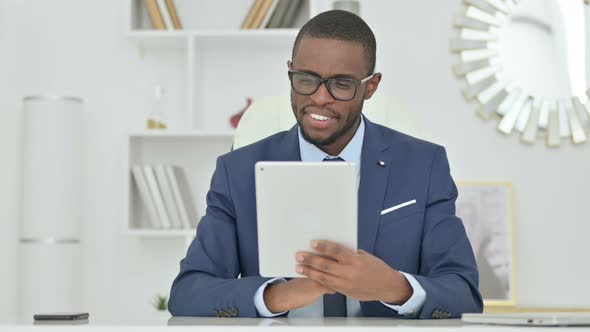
(51, 205)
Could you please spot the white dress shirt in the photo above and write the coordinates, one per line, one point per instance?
(351, 153)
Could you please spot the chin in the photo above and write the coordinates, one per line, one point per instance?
(318, 140)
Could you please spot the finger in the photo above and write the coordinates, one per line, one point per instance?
(327, 290)
(362, 252)
(323, 264)
(325, 279)
(332, 250)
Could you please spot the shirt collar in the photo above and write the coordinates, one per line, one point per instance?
(351, 152)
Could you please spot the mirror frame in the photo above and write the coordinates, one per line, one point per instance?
(498, 96)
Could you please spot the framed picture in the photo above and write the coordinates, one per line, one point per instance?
(486, 211)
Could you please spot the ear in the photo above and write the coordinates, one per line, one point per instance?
(372, 85)
(289, 66)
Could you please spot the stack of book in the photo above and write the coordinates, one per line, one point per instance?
(165, 195)
(163, 14)
(272, 14)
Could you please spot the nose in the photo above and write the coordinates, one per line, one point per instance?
(322, 96)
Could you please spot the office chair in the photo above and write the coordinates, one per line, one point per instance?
(270, 115)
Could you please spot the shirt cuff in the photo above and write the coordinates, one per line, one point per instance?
(416, 301)
(259, 299)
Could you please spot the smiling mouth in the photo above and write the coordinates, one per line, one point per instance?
(319, 117)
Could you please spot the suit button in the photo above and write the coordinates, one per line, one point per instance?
(437, 314)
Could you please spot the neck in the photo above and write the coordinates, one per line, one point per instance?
(336, 148)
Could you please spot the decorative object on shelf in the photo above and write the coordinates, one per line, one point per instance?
(50, 205)
(536, 90)
(486, 211)
(156, 118)
(352, 6)
(235, 119)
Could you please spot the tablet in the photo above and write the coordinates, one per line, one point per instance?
(297, 202)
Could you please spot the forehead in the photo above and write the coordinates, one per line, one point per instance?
(329, 57)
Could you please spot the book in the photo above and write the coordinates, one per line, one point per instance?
(157, 197)
(145, 195)
(174, 15)
(291, 14)
(256, 23)
(247, 23)
(155, 15)
(165, 14)
(182, 196)
(269, 13)
(168, 196)
(277, 15)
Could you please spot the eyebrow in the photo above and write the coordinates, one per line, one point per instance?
(333, 76)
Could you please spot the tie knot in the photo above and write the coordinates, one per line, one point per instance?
(333, 159)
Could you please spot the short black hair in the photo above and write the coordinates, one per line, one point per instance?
(341, 25)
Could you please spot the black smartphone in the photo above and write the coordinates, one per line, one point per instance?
(61, 316)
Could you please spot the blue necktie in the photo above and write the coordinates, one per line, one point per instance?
(334, 304)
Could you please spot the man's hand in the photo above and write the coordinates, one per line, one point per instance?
(293, 294)
(360, 275)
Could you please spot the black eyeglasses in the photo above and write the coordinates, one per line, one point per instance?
(343, 89)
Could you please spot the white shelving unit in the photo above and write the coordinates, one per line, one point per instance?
(224, 66)
(196, 152)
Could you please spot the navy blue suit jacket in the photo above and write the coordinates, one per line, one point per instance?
(425, 239)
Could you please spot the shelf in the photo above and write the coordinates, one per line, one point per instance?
(184, 134)
(193, 151)
(161, 232)
(258, 33)
(178, 39)
(209, 15)
(159, 39)
(221, 66)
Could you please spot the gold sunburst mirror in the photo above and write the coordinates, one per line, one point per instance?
(525, 63)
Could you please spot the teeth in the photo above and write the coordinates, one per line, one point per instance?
(319, 117)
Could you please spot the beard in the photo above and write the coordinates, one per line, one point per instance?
(352, 120)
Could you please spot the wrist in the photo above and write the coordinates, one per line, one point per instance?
(398, 289)
(273, 300)
(294, 294)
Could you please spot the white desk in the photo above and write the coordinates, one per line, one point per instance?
(247, 325)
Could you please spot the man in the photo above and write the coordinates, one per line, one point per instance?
(414, 258)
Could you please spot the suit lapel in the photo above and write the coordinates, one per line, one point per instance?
(375, 168)
(288, 149)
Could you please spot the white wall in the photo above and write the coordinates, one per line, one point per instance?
(8, 173)
(551, 186)
(79, 48)
(70, 47)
